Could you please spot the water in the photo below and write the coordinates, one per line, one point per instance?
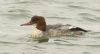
(15, 39)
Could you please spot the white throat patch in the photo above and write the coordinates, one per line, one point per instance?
(37, 33)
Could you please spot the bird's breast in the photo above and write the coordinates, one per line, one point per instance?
(37, 33)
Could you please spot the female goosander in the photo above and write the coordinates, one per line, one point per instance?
(52, 30)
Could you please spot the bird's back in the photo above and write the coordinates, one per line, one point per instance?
(63, 30)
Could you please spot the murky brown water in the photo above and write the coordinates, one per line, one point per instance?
(15, 39)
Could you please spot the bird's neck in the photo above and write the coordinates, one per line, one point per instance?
(41, 26)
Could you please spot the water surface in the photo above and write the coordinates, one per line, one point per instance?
(15, 39)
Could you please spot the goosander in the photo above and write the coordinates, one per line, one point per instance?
(43, 30)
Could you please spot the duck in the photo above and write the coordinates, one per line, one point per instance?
(44, 30)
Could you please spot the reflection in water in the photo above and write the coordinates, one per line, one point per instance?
(17, 40)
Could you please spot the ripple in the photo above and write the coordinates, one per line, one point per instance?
(86, 52)
(5, 53)
(88, 45)
(5, 42)
(58, 17)
(86, 14)
(88, 17)
(76, 7)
